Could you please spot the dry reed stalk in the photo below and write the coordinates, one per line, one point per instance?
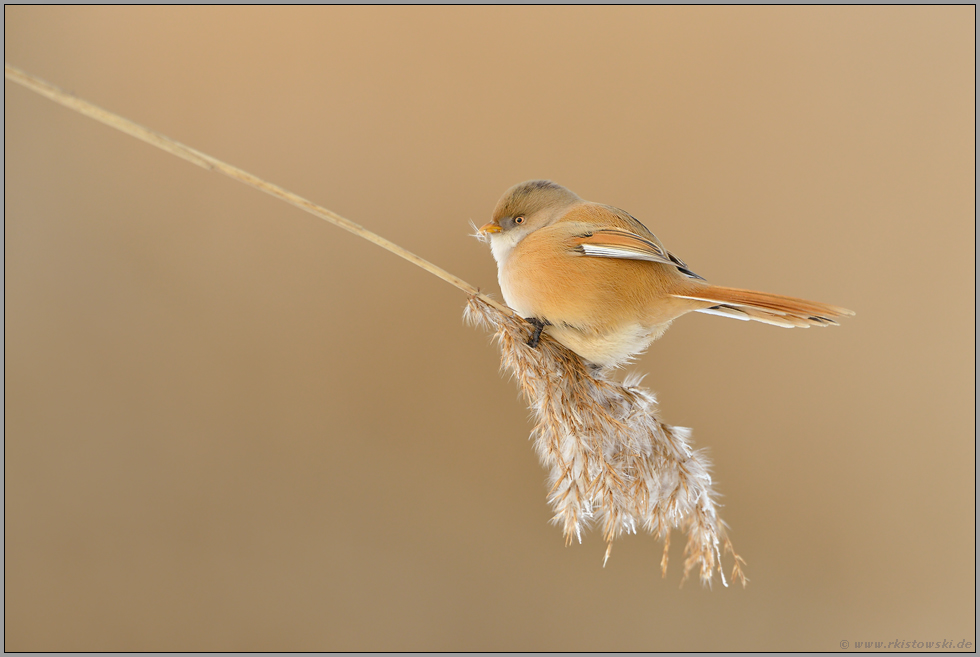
(206, 161)
(611, 458)
(612, 461)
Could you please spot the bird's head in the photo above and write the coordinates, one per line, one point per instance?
(522, 209)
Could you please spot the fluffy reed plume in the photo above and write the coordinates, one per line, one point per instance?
(612, 462)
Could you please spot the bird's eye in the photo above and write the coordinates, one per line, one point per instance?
(518, 220)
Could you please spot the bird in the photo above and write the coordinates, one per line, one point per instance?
(595, 279)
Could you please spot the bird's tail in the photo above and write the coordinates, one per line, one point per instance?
(772, 309)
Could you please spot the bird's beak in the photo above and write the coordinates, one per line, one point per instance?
(490, 228)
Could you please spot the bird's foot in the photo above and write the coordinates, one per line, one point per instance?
(536, 335)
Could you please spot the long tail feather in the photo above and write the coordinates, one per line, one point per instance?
(774, 309)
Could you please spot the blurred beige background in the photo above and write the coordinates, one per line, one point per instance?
(232, 426)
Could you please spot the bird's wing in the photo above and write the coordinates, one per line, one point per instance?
(609, 242)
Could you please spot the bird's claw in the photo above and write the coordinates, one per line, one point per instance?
(536, 334)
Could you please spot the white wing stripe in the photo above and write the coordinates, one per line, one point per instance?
(605, 251)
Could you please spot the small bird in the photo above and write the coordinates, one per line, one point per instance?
(599, 282)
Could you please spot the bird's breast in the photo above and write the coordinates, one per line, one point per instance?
(604, 309)
(544, 276)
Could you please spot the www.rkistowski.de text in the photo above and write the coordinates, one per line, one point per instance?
(943, 644)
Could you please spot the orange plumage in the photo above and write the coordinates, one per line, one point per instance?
(603, 285)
